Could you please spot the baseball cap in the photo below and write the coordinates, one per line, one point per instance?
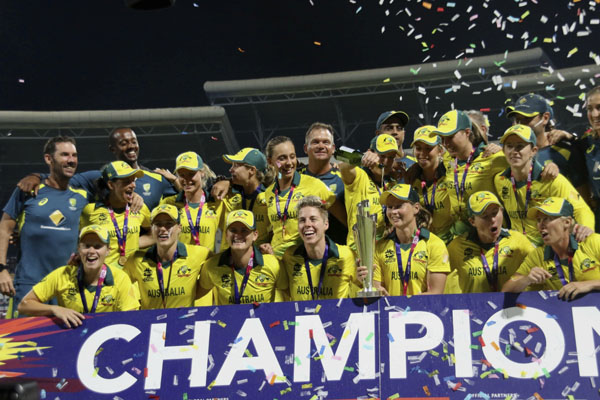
(244, 216)
(530, 105)
(401, 191)
(523, 131)
(426, 134)
(168, 209)
(553, 206)
(452, 122)
(248, 155)
(97, 230)
(384, 143)
(386, 115)
(479, 201)
(189, 160)
(120, 169)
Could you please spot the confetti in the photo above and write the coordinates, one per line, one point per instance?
(317, 43)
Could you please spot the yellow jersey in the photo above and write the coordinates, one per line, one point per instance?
(261, 282)
(465, 259)
(117, 292)
(287, 235)
(179, 277)
(98, 214)
(338, 278)
(586, 263)
(429, 255)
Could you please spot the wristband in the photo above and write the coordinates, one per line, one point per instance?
(3, 267)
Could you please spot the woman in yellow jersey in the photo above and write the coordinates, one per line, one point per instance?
(283, 195)
(167, 273)
(520, 186)
(486, 256)
(562, 263)
(241, 274)
(200, 215)
(428, 177)
(128, 229)
(317, 268)
(410, 260)
(92, 286)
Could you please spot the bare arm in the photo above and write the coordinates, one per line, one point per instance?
(7, 225)
(348, 173)
(518, 283)
(32, 306)
(146, 240)
(573, 289)
(436, 282)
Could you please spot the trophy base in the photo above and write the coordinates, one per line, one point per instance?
(369, 293)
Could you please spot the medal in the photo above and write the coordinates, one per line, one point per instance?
(122, 260)
(283, 217)
(491, 275)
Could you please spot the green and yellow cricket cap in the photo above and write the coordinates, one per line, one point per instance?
(244, 216)
(168, 209)
(189, 160)
(97, 230)
(384, 143)
(118, 170)
(383, 117)
(250, 156)
(401, 191)
(553, 206)
(427, 135)
(452, 122)
(479, 201)
(530, 105)
(523, 131)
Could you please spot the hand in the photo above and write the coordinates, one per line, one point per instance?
(168, 175)
(550, 172)
(538, 275)
(370, 159)
(361, 273)
(14, 238)
(490, 149)
(581, 232)
(137, 203)
(6, 284)
(220, 189)
(30, 183)
(71, 318)
(74, 259)
(556, 135)
(574, 289)
(266, 248)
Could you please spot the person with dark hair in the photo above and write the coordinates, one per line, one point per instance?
(122, 142)
(48, 225)
(128, 229)
(590, 146)
(394, 123)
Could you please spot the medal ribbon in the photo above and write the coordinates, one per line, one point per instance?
(406, 276)
(252, 198)
(195, 228)
(429, 205)
(98, 290)
(238, 294)
(161, 282)
(461, 191)
(321, 273)
(283, 217)
(560, 271)
(492, 276)
(527, 192)
(121, 236)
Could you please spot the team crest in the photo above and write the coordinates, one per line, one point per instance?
(184, 271)
(445, 120)
(102, 218)
(71, 292)
(72, 204)
(587, 264)
(297, 270)
(225, 281)
(421, 256)
(107, 300)
(298, 196)
(147, 187)
(334, 270)
(505, 192)
(477, 168)
(333, 187)
(467, 254)
(506, 251)
(262, 280)
(389, 255)
(236, 199)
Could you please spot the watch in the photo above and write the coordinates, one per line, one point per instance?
(3, 267)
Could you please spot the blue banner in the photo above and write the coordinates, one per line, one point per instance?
(491, 346)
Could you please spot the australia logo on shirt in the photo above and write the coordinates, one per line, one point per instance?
(147, 275)
(506, 251)
(477, 168)
(102, 218)
(225, 281)
(147, 187)
(72, 204)
(262, 280)
(184, 271)
(298, 196)
(107, 300)
(587, 265)
(421, 256)
(334, 270)
(467, 254)
(236, 199)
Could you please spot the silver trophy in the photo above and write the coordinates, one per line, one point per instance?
(365, 232)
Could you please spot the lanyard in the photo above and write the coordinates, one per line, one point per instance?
(161, 282)
(429, 205)
(98, 290)
(252, 198)
(283, 217)
(240, 293)
(405, 277)
(560, 271)
(195, 228)
(321, 273)
(460, 192)
(527, 192)
(121, 235)
(492, 276)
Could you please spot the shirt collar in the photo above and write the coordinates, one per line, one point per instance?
(237, 189)
(151, 253)
(549, 252)
(109, 280)
(423, 234)
(225, 258)
(535, 174)
(295, 181)
(333, 251)
(472, 236)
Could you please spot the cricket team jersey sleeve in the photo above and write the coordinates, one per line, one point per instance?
(48, 228)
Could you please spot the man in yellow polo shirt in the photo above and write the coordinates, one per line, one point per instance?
(167, 272)
(241, 274)
(562, 263)
(306, 278)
